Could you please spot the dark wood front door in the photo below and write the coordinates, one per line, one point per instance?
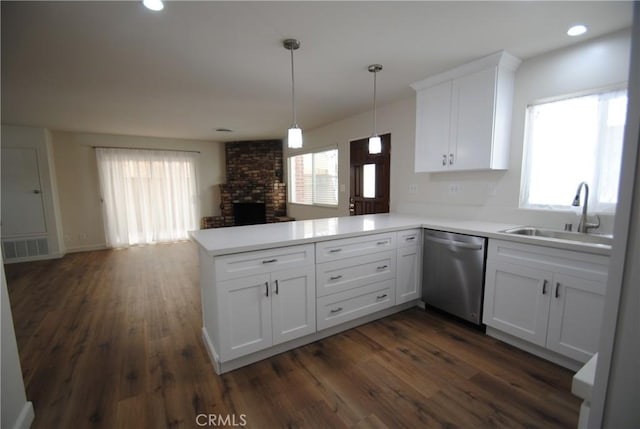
(369, 192)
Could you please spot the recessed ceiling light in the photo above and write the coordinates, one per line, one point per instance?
(577, 30)
(153, 4)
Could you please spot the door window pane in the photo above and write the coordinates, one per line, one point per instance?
(369, 181)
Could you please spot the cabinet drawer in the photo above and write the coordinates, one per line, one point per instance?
(338, 276)
(263, 261)
(410, 237)
(339, 249)
(341, 307)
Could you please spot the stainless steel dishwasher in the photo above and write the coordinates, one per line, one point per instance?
(453, 273)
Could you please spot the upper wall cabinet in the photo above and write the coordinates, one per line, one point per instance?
(463, 116)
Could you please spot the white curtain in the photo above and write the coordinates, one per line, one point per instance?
(148, 196)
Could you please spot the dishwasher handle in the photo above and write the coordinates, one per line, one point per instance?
(470, 246)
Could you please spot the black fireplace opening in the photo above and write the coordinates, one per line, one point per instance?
(249, 213)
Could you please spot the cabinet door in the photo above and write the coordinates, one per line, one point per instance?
(408, 274)
(244, 316)
(433, 115)
(575, 316)
(293, 304)
(473, 104)
(516, 300)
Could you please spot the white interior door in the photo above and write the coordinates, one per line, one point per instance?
(22, 205)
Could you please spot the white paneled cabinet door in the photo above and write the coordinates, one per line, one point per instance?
(517, 300)
(575, 316)
(245, 315)
(408, 274)
(472, 120)
(293, 304)
(433, 127)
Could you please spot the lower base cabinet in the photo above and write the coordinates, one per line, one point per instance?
(408, 272)
(261, 311)
(549, 297)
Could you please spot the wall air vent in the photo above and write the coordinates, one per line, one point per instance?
(25, 249)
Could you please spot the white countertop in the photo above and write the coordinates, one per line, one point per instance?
(582, 384)
(222, 241)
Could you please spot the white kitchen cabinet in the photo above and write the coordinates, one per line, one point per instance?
(408, 266)
(552, 298)
(353, 303)
(260, 299)
(345, 274)
(517, 300)
(261, 311)
(463, 116)
(575, 316)
(245, 313)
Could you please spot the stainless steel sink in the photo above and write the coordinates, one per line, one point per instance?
(581, 237)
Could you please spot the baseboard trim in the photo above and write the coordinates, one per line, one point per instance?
(26, 417)
(87, 248)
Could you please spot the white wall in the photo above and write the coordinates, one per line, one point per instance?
(79, 188)
(491, 195)
(16, 412)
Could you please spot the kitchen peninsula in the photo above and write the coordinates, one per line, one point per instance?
(271, 288)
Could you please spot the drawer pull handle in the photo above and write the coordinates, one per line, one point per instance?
(336, 310)
(381, 243)
(544, 287)
(557, 289)
(382, 267)
(381, 296)
(410, 238)
(335, 277)
(269, 261)
(335, 250)
(266, 288)
(277, 288)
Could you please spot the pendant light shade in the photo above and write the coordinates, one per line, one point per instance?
(294, 136)
(375, 144)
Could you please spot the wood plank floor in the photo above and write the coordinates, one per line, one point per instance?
(111, 339)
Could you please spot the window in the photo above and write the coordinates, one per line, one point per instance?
(313, 178)
(570, 141)
(149, 196)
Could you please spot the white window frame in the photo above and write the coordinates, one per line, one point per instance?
(290, 189)
(597, 206)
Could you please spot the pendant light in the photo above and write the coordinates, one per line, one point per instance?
(294, 136)
(375, 144)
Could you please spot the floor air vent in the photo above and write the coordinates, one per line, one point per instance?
(25, 248)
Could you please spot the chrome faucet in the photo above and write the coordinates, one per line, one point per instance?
(584, 226)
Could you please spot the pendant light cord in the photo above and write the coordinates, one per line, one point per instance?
(375, 133)
(293, 91)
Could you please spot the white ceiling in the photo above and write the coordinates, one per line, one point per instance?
(116, 67)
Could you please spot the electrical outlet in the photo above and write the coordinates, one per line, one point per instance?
(413, 188)
(454, 188)
(343, 188)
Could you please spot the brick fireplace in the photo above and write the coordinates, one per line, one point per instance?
(254, 177)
